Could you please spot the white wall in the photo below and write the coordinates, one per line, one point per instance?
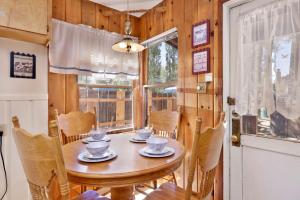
(26, 98)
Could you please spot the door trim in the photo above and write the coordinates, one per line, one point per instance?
(226, 62)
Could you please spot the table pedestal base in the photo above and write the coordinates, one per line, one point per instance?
(124, 193)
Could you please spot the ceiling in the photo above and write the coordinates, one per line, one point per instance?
(121, 5)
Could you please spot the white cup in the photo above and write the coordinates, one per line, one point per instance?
(157, 144)
(98, 134)
(97, 148)
(144, 133)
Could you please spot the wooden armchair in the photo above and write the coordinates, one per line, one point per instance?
(75, 125)
(206, 150)
(43, 164)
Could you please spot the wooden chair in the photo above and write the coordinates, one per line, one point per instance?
(43, 164)
(166, 124)
(76, 125)
(206, 150)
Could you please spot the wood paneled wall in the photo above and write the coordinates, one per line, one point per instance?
(63, 90)
(183, 14)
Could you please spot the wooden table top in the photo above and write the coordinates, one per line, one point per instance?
(129, 167)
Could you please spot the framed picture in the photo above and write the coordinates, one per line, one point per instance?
(201, 61)
(201, 34)
(22, 65)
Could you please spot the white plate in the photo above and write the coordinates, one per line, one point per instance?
(90, 139)
(82, 157)
(150, 151)
(170, 152)
(137, 139)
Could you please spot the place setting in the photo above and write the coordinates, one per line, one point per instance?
(157, 148)
(97, 152)
(141, 135)
(97, 135)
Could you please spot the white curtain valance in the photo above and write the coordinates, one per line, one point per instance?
(268, 64)
(80, 49)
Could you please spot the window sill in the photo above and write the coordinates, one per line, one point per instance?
(120, 130)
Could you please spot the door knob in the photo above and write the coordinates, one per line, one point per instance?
(234, 139)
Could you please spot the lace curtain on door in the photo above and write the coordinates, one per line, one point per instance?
(80, 49)
(268, 64)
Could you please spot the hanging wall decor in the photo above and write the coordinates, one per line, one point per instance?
(22, 65)
(201, 34)
(201, 61)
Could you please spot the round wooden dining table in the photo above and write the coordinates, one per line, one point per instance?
(122, 172)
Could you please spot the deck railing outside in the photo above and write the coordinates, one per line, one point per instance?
(160, 97)
(113, 104)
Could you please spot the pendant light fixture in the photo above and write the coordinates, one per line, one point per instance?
(128, 45)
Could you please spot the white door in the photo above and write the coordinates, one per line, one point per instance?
(266, 165)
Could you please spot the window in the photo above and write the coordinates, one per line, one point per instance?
(163, 62)
(162, 53)
(111, 97)
(281, 123)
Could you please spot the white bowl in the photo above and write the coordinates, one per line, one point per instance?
(144, 133)
(97, 148)
(157, 144)
(98, 134)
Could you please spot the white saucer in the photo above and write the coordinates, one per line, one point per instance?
(92, 157)
(137, 139)
(168, 152)
(83, 157)
(150, 151)
(90, 139)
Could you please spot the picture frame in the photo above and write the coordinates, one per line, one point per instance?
(201, 34)
(201, 61)
(22, 65)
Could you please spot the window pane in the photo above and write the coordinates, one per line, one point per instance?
(163, 62)
(284, 122)
(113, 103)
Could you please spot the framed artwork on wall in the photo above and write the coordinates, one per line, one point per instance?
(201, 34)
(201, 61)
(22, 65)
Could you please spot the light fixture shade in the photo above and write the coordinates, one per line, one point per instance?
(127, 45)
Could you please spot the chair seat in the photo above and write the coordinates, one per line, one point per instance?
(166, 191)
(169, 191)
(91, 195)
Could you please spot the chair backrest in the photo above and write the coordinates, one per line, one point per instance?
(43, 163)
(166, 123)
(75, 125)
(206, 150)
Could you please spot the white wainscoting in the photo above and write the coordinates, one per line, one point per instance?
(27, 99)
(270, 169)
(33, 117)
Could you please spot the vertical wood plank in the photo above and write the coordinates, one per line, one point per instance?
(168, 16)
(56, 92)
(114, 23)
(120, 107)
(88, 13)
(101, 19)
(135, 22)
(73, 11)
(71, 93)
(59, 9)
